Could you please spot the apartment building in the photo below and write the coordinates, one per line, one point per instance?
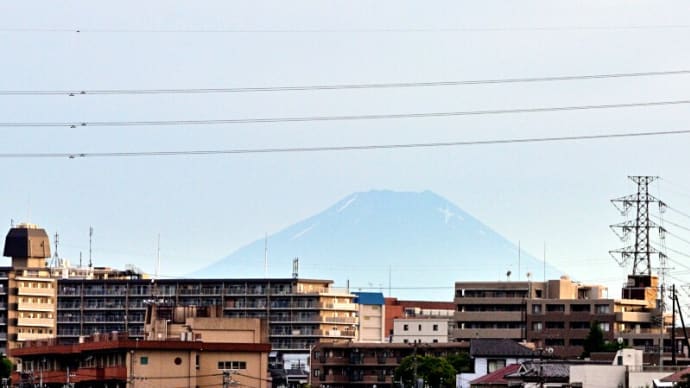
(116, 360)
(27, 290)
(396, 309)
(420, 330)
(555, 314)
(368, 364)
(38, 302)
(300, 312)
(371, 313)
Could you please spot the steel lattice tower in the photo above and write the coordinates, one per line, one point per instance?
(641, 252)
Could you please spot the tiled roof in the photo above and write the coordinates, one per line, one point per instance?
(498, 347)
(678, 376)
(497, 377)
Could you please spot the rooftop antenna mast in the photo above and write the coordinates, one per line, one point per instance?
(266, 255)
(90, 246)
(295, 268)
(158, 256)
(55, 261)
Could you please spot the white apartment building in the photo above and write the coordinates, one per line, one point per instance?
(420, 330)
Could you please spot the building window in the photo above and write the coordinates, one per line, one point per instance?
(494, 365)
(555, 325)
(555, 308)
(419, 327)
(144, 360)
(435, 327)
(536, 309)
(317, 372)
(232, 365)
(405, 341)
(537, 326)
(554, 342)
(435, 341)
(602, 309)
(405, 327)
(604, 326)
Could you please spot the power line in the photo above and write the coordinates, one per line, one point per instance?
(338, 86)
(341, 118)
(74, 155)
(339, 30)
(672, 223)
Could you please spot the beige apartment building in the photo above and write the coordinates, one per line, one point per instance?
(557, 313)
(31, 292)
(372, 317)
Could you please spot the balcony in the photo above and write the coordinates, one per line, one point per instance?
(339, 306)
(635, 317)
(492, 316)
(32, 291)
(487, 333)
(38, 322)
(35, 307)
(33, 336)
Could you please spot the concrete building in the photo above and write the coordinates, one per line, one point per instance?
(556, 314)
(115, 360)
(371, 313)
(28, 292)
(396, 309)
(183, 346)
(420, 330)
(368, 364)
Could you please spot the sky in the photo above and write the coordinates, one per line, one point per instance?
(549, 194)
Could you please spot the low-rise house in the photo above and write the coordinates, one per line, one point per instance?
(490, 355)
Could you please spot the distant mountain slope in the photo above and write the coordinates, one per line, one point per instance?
(418, 243)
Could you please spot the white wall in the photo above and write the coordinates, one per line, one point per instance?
(462, 380)
(598, 376)
(426, 334)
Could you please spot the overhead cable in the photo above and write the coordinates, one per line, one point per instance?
(76, 92)
(74, 155)
(75, 124)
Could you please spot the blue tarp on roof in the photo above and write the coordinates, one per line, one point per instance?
(375, 298)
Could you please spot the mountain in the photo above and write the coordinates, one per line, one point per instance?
(416, 244)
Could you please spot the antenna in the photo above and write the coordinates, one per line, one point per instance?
(158, 256)
(80, 265)
(544, 261)
(295, 268)
(390, 270)
(519, 257)
(90, 246)
(266, 255)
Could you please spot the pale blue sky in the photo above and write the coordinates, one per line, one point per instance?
(206, 207)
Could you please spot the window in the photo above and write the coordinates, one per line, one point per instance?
(555, 308)
(602, 309)
(419, 328)
(537, 326)
(536, 309)
(555, 325)
(405, 327)
(435, 327)
(232, 365)
(604, 326)
(494, 365)
(144, 360)
(317, 372)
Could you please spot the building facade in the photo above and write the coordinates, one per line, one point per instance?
(371, 313)
(368, 364)
(115, 360)
(420, 330)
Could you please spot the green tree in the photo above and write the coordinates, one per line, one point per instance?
(6, 368)
(594, 341)
(461, 362)
(436, 372)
